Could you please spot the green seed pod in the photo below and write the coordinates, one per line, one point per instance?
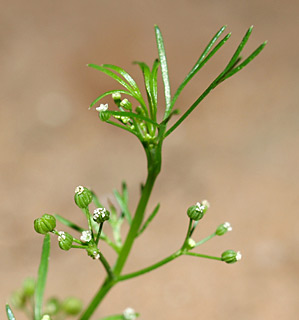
(29, 287)
(100, 215)
(65, 240)
(223, 228)
(190, 244)
(197, 211)
(45, 224)
(18, 299)
(52, 306)
(83, 197)
(231, 256)
(72, 306)
(104, 116)
(126, 104)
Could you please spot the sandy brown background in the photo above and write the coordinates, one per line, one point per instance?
(239, 150)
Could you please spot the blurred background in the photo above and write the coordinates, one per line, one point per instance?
(239, 150)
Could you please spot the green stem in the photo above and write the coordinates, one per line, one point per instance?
(106, 265)
(150, 268)
(205, 239)
(188, 232)
(99, 233)
(202, 255)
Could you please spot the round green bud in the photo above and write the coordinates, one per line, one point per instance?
(126, 104)
(52, 306)
(72, 306)
(65, 240)
(45, 224)
(93, 252)
(190, 244)
(104, 116)
(197, 211)
(223, 228)
(231, 256)
(100, 215)
(18, 299)
(29, 287)
(116, 96)
(83, 197)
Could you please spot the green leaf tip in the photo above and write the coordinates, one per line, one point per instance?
(9, 313)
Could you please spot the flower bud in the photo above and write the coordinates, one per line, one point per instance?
(46, 317)
(223, 228)
(130, 314)
(126, 104)
(65, 240)
(197, 211)
(18, 299)
(116, 96)
(190, 244)
(231, 256)
(29, 287)
(45, 224)
(100, 215)
(104, 116)
(83, 197)
(93, 252)
(72, 306)
(52, 306)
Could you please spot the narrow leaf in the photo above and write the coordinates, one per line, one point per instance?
(41, 278)
(107, 94)
(123, 206)
(10, 315)
(125, 74)
(199, 64)
(149, 219)
(153, 84)
(239, 49)
(68, 223)
(125, 192)
(114, 76)
(245, 62)
(164, 69)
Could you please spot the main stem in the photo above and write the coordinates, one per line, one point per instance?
(153, 154)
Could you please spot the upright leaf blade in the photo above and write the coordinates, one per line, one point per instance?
(164, 70)
(42, 278)
(9, 313)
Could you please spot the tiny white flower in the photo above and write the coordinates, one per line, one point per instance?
(227, 226)
(99, 211)
(200, 207)
(205, 203)
(61, 235)
(238, 256)
(102, 107)
(96, 255)
(125, 119)
(46, 317)
(86, 236)
(79, 189)
(129, 314)
(116, 96)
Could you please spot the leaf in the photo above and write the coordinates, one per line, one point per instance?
(125, 74)
(164, 69)
(153, 83)
(113, 76)
(123, 206)
(149, 219)
(106, 94)
(9, 313)
(68, 223)
(42, 278)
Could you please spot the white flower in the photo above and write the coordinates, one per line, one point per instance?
(238, 256)
(79, 189)
(227, 226)
(102, 107)
(200, 207)
(99, 212)
(96, 255)
(86, 236)
(129, 314)
(46, 317)
(205, 203)
(61, 236)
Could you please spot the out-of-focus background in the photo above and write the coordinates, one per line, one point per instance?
(239, 150)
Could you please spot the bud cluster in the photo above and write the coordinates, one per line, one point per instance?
(100, 215)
